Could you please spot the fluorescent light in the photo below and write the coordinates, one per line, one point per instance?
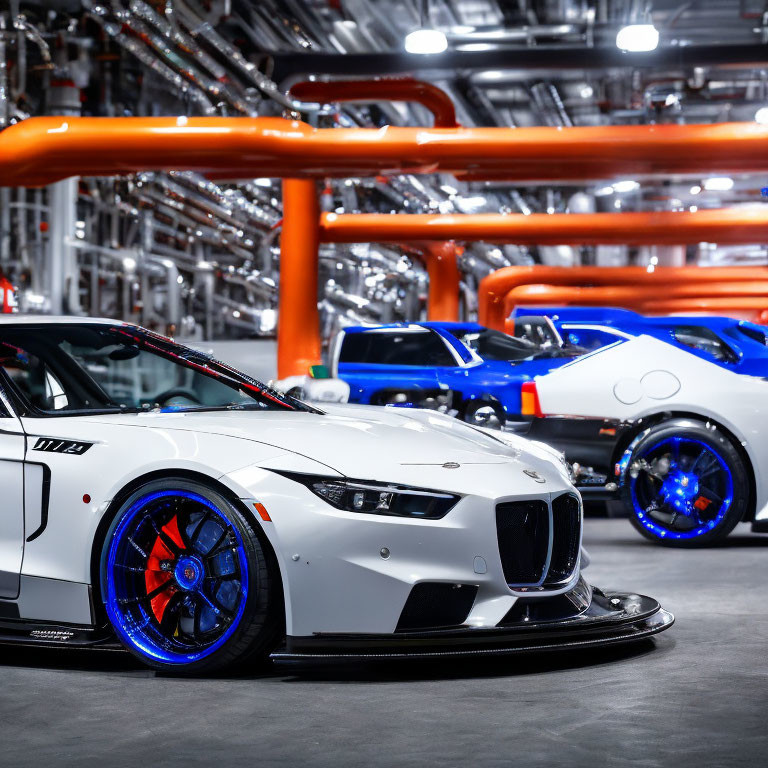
(718, 184)
(626, 186)
(637, 38)
(475, 47)
(761, 116)
(426, 41)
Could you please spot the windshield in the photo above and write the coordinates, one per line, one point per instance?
(88, 368)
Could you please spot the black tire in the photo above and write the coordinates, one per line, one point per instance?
(474, 408)
(255, 622)
(687, 516)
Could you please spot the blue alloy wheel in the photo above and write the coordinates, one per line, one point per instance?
(685, 486)
(177, 573)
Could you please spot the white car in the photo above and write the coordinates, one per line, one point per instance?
(681, 435)
(156, 495)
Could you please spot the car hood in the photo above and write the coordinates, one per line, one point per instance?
(366, 442)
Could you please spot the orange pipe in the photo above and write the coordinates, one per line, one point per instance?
(42, 150)
(444, 278)
(636, 298)
(436, 100)
(494, 287)
(298, 329)
(626, 296)
(724, 226)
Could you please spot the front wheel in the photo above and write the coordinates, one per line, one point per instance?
(484, 413)
(685, 484)
(187, 582)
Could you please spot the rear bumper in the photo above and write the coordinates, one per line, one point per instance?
(610, 619)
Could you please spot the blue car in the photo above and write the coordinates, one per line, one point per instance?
(476, 373)
(738, 345)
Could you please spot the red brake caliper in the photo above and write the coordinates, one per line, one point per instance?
(154, 576)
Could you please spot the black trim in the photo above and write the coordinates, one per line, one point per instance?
(590, 442)
(45, 501)
(54, 635)
(9, 610)
(434, 605)
(611, 618)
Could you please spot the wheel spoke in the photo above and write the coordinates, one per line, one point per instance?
(141, 598)
(165, 538)
(138, 548)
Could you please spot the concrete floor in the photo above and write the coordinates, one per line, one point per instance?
(694, 696)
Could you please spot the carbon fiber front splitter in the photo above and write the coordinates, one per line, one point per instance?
(610, 619)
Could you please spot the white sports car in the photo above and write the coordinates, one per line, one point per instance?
(156, 495)
(680, 435)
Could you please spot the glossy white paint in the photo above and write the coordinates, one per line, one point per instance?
(645, 376)
(339, 582)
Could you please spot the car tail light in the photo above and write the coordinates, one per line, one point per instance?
(529, 400)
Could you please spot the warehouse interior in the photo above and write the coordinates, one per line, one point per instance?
(256, 178)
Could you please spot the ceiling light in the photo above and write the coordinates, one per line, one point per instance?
(637, 38)
(695, 189)
(761, 116)
(586, 92)
(475, 47)
(626, 186)
(426, 41)
(718, 184)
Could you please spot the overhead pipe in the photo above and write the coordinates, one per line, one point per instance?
(635, 297)
(437, 101)
(41, 150)
(494, 288)
(725, 225)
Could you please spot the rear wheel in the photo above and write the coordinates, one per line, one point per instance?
(686, 484)
(187, 582)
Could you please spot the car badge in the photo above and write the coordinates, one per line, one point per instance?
(534, 475)
(451, 465)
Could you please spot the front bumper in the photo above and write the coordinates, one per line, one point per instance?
(610, 619)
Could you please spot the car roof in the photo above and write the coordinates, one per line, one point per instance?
(429, 324)
(621, 318)
(14, 319)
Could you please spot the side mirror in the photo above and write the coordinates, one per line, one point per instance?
(319, 372)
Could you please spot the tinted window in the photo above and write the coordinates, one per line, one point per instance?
(494, 345)
(704, 340)
(393, 348)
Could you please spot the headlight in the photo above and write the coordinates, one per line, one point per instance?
(378, 498)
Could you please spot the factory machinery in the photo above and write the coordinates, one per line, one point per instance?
(199, 257)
